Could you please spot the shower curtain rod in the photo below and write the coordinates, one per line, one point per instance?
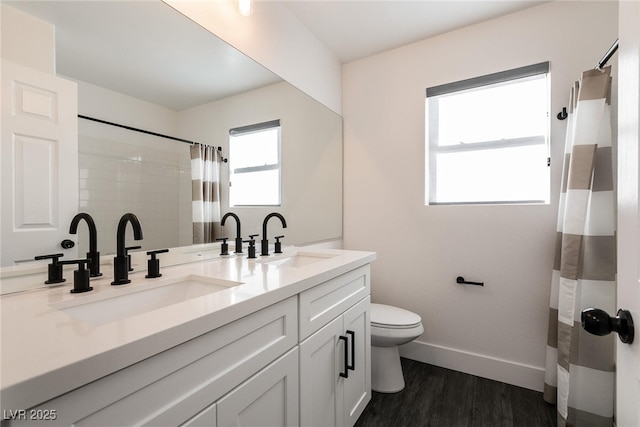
(146, 132)
(607, 55)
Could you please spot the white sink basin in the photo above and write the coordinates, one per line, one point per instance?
(117, 304)
(299, 259)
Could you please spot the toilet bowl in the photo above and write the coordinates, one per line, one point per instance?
(390, 327)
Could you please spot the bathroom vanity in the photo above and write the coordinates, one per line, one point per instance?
(280, 340)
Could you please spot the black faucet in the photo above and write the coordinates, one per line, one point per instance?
(93, 255)
(265, 242)
(120, 262)
(238, 248)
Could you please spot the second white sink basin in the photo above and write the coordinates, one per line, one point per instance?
(299, 259)
(120, 304)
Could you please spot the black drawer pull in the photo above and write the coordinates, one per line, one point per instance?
(345, 374)
(353, 351)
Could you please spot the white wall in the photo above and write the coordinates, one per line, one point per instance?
(105, 104)
(27, 40)
(499, 330)
(274, 38)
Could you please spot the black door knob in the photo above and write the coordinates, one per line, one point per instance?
(598, 322)
(67, 244)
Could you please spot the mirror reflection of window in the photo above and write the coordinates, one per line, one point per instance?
(254, 165)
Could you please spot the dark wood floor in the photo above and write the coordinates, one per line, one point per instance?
(439, 397)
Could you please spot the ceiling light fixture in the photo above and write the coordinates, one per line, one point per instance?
(244, 7)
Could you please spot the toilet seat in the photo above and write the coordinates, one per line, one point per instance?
(386, 316)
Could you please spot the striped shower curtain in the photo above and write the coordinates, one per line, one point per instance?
(205, 183)
(580, 367)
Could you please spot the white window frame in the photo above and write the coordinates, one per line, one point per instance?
(431, 131)
(244, 130)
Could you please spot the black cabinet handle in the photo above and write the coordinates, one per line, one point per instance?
(345, 374)
(353, 351)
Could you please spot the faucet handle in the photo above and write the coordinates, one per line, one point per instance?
(252, 245)
(80, 276)
(54, 257)
(54, 269)
(278, 245)
(224, 247)
(153, 264)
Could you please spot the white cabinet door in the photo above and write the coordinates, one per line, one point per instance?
(39, 189)
(269, 398)
(321, 392)
(357, 387)
(335, 370)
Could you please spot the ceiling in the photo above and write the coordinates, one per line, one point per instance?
(356, 29)
(147, 50)
(118, 45)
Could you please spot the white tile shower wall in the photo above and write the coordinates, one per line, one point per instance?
(123, 171)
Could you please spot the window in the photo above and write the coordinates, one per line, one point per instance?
(487, 139)
(254, 165)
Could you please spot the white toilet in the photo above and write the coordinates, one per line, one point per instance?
(390, 327)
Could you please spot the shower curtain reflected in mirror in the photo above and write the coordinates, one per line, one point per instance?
(580, 369)
(205, 179)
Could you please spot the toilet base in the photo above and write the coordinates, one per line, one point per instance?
(386, 371)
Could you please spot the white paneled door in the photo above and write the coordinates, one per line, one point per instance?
(628, 356)
(39, 189)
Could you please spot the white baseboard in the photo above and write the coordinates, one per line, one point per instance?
(527, 376)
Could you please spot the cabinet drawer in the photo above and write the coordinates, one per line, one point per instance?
(321, 304)
(173, 386)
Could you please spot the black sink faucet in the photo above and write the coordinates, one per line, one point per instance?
(265, 241)
(93, 255)
(120, 264)
(238, 248)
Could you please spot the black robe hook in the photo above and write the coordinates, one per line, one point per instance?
(563, 114)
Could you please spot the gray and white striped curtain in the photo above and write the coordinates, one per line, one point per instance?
(205, 183)
(580, 369)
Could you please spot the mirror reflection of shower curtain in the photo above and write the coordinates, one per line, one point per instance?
(580, 367)
(205, 180)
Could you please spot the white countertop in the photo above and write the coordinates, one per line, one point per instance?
(46, 352)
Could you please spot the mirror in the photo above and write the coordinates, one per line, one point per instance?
(144, 65)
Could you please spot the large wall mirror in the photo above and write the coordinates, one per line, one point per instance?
(144, 65)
